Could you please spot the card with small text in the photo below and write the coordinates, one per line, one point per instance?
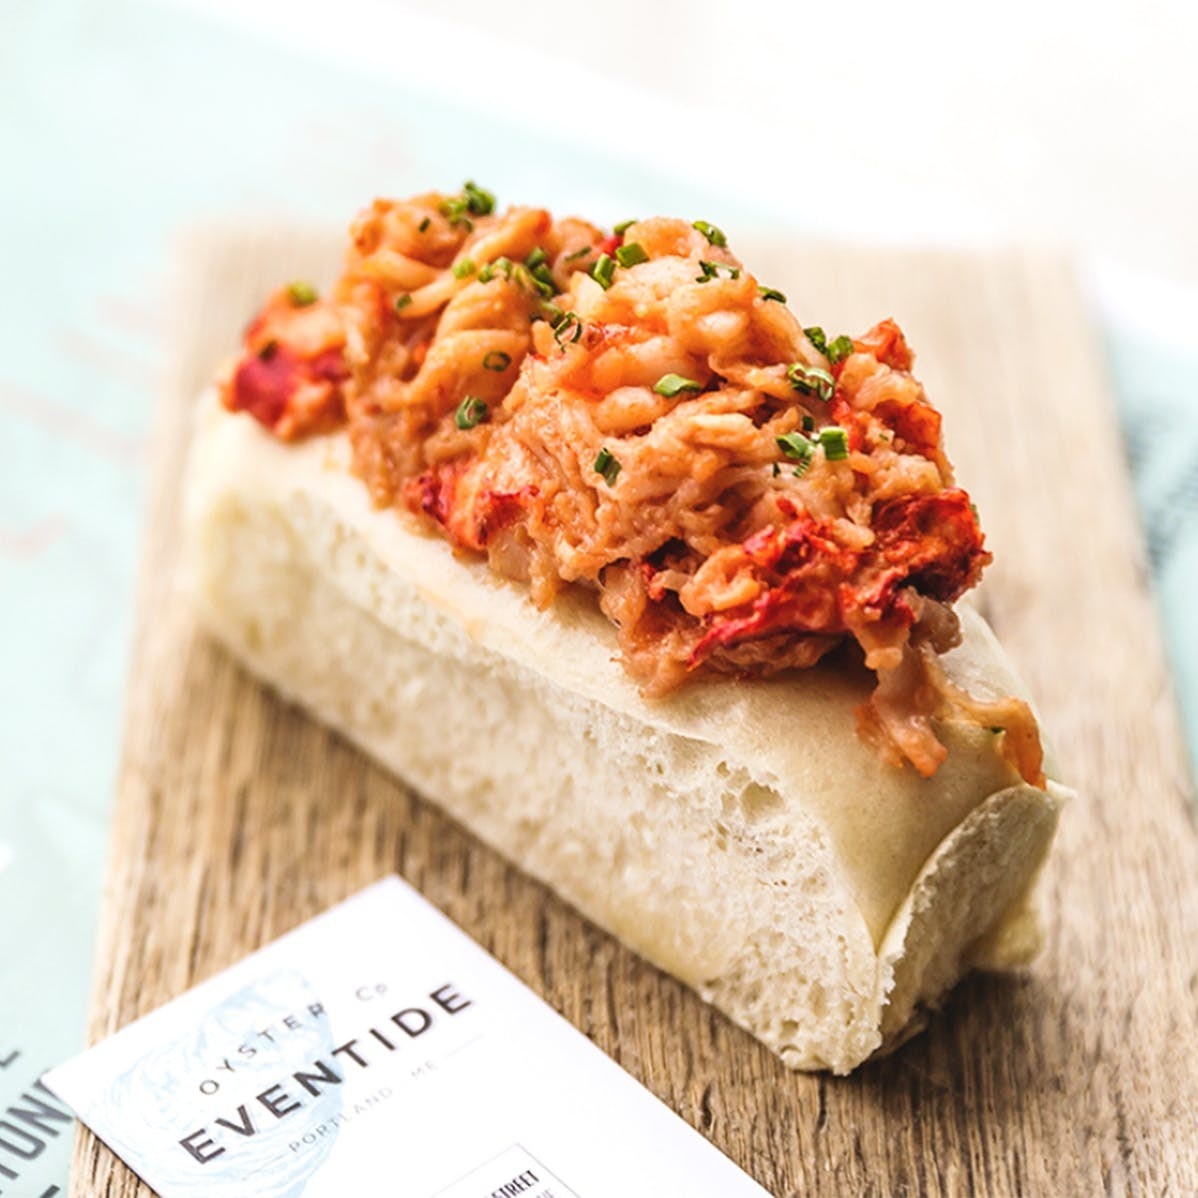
(377, 1049)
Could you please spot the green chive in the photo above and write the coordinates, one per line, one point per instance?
(454, 210)
(603, 270)
(490, 269)
(497, 360)
(538, 267)
(714, 234)
(817, 337)
(808, 423)
(302, 294)
(671, 385)
(424, 224)
(463, 267)
(835, 441)
(473, 199)
(711, 270)
(471, 412)
(777, 469)
(479, 201)
(582, 253)
(271, 348)
(401, 302)
(796, 447)
(608, 465)
(769, 293)
(539, 280)
(632, 254)
(623, 225)
(567, 328)
(811, 380)
(839, 349)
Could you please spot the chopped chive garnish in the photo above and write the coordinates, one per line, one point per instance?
(582, 253)
(567, 328)
(808, 423)
(817, 337)
(603, 270)
(478, 200)
(424, 224)
(770, 293)
(402, 301)
(632, 254)
(811, 380)
(538, 267)
(839, 349)
(777, 469)
(538, 280)
(302, 294)
(473, 200)
(670, 385)
(711, 270)
(471, 412)
(269, 350)
(714, 234)
(489, 270)
(623, 226)
(463, 267)
(796, 447)
(497, 360)
(608, 465)
(455, 209)
(835, 441)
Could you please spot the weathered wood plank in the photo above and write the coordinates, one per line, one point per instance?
(236, 817)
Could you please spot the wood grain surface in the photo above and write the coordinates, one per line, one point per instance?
(237, 817)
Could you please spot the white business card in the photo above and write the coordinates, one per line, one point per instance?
(378, 1050)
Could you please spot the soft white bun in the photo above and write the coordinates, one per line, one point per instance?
(737, 834)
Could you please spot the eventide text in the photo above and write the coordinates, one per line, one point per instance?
(284, 1097)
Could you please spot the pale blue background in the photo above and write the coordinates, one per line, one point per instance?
(121, 124)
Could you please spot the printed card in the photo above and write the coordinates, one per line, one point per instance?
(378, 1050)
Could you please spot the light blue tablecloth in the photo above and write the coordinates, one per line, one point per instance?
(1157, 389)
(119, 124)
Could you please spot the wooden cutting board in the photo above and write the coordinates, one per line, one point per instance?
(236, 817)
